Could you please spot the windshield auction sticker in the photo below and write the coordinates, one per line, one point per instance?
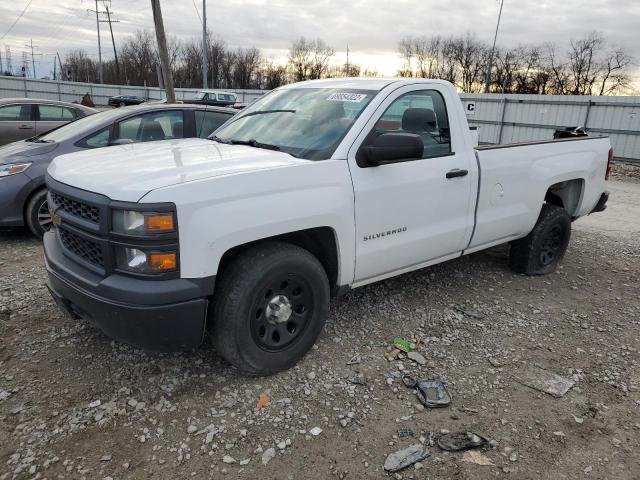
(347, 97)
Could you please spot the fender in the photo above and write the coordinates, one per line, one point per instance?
(218, 214)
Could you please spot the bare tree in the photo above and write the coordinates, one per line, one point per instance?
(246, 68)
(300, 59)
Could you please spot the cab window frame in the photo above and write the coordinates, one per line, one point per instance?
(444, 112)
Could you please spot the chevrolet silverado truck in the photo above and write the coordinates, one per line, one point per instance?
(317, 188)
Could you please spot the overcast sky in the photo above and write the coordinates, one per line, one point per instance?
(371, 28)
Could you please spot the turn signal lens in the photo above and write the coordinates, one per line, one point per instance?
(162, 262)
(159, 222)
(133, 222)
(138, 261)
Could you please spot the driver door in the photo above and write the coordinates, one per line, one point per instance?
(409, 213)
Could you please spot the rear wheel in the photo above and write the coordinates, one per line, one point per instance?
(121, 104)
(540, 252)
(37, 214)
(269, 308)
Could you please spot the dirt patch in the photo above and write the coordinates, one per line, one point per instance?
(76, 404)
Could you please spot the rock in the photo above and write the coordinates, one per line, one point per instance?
(244, 462)
(268, 455)
(545, 381)
(95, 403)
(282, 445)
(311, 375)
(416, 357)
(228, 459)
(315, 431)
(405, 457)
(105, 458)
(192, 429)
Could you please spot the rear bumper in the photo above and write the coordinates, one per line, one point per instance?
(602, 203)
(164, 315)
(14, 191)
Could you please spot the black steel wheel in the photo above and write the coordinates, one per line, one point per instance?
(540, 252)
(269, 307)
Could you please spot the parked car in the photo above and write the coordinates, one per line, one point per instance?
(25, 117)
(214, 97)
(23, 164)
(316, 188)
(125, 100)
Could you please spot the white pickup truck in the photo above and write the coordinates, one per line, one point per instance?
(316, 188)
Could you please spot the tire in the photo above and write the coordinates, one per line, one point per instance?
(37, 215)
(246, 327)
(121, 104)
(540, 252)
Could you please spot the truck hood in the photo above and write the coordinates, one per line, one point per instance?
(128, 172)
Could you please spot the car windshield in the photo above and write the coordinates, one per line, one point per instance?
(307, 123)
(82, 125)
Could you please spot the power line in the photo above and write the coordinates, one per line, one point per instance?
(197, 11)
(16, 21)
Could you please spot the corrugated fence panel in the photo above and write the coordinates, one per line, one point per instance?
(73, 91)
(517, 118)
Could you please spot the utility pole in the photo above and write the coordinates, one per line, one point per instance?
(97, 12)
(62, 75)
(54, 67)
(113, 42)
(33, 63)
(487, 80)
(205, 45)
(348, 73)
(162, 49)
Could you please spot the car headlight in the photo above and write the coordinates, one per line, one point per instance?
(13, 168)
(138, 261)
(133, 222)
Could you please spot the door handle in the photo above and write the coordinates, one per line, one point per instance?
(25, 127)
(456, 172)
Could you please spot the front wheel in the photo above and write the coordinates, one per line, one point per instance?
(540, 252)
(269, 308)
(37, 215)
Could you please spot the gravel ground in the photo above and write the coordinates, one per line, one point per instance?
(75, 404)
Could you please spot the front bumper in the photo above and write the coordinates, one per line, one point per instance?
(159, 315)
(14, 191)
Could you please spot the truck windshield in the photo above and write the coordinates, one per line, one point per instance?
(307, 123)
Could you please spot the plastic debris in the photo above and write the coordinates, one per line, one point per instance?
(431, 393)
(474, 456)
(263, 401)
(469, 312)
(402, 344)
(405, 457)
(545, 381)
(457, 441)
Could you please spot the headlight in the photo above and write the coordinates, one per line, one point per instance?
(13, 168)
(143, 223)
(138, 261)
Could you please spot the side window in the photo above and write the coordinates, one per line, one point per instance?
(152, 126)
(52, 113)
(207, 122)
(96, 140)
(15, 113)
(420, 113)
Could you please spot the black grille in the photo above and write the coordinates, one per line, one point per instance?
(79, 209)
(85, 249)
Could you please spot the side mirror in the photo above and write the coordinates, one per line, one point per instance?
(121, 141)
(390, 148)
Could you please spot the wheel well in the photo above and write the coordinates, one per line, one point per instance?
(33, 193)
(566, 194)
(320, 242)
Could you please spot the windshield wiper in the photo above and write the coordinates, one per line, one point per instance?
(215, 138)
(262, 112)
(254, 143)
